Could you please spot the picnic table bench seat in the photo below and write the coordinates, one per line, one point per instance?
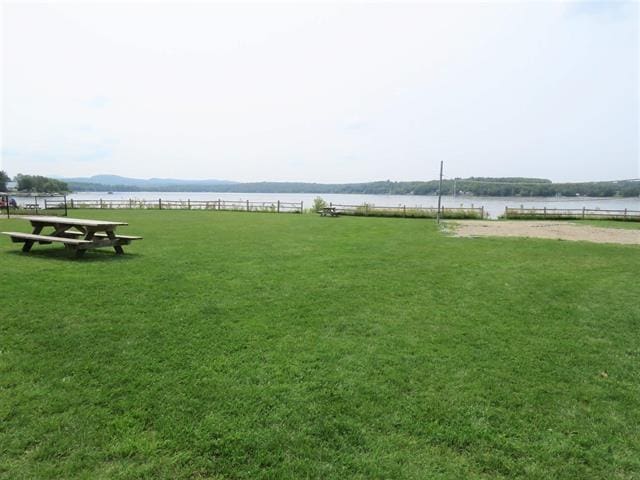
(104, 235)
(120, 237)
(17, 237)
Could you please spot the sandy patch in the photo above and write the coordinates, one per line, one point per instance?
(551, 230)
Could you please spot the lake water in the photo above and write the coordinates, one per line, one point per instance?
(493, 205)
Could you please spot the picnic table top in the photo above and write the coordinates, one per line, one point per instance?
(69, 221)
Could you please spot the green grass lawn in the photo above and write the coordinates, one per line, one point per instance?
(244, 346)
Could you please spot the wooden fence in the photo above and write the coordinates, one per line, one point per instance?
(408, 212)
(571, 214)
(33, 204)
(160, 204)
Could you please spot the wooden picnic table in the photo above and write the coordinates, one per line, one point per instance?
(77, 234)
(329, 211)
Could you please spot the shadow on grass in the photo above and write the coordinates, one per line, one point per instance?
(67, 256)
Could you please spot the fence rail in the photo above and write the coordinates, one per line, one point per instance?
(408, 212)
(160, 204)
(571, 214)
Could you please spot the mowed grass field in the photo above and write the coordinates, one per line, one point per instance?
(250, 346)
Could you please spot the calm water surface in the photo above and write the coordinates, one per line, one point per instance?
(493, 205)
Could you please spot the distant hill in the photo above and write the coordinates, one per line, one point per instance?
(110, 180)
(476, 186)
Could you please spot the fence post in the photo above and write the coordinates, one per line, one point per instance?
(247, 205)
(160, 203)
(625, 213)
(404, 210)
(506, 212)
(278, 206)
(545, 212)
(101, 204)
(65, 206)
(218, 204)
(72, 203)
(189, 203)
(301, 207)
(482, 212)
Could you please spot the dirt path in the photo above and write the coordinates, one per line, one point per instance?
(552, 230)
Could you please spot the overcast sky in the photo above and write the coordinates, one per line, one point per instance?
(321, 92)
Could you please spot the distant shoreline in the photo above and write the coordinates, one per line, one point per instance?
(472, 186)
(448, 195)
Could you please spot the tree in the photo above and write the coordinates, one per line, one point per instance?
(4, 178)
(37, 183)
(318, 204)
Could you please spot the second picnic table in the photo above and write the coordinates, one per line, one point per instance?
(86, 234)
(328, 211)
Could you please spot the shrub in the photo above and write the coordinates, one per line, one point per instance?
(318, 204)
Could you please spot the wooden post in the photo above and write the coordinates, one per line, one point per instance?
(101, 205)
(247, 205)
(189, 203)
(439, 193)
(404, 211)
(482, 212)
(160, 204)
(583, 208)
(506, 212)
(278, 206)
(65, 206)
(72, 203)
(301, 206)
(545, 212)
(625, 213)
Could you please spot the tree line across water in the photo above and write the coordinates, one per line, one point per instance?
(476, 186)
(34, 183)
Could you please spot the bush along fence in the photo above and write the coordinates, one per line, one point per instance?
(570, 214)
(160, 204)
(367, 210)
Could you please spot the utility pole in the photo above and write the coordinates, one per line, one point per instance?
(439, 193)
